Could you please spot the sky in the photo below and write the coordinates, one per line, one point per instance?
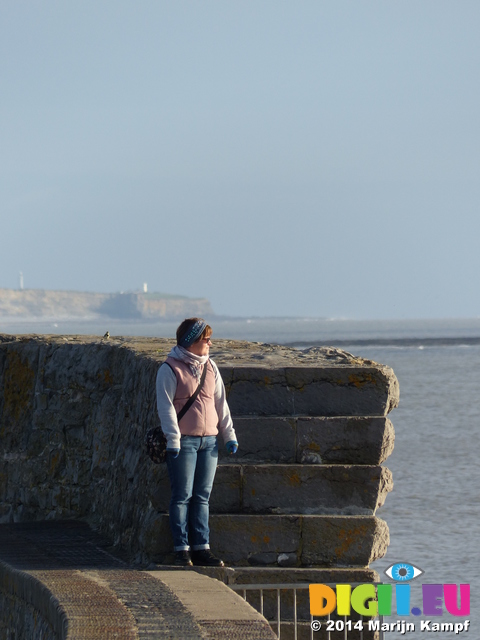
(304, 158)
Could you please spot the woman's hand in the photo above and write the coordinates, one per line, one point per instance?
(173, 452)
(232, 447)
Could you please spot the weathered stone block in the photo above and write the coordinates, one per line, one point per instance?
(155, 538)
(255, 391)
(315, 489)
(305, 575)
(317, 540)
(351, 440)
(342, 391)
(263, 438)
(243, 539)
(343, 541)
(227, 490)
(338, 440)
(288, 489)
(315, 382)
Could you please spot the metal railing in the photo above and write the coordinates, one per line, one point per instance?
(350, 628)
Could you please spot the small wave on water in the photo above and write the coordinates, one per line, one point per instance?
(401, 343)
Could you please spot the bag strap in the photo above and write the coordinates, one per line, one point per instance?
(194, 396)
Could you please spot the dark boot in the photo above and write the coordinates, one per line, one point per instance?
(205, 558)
(183, 559)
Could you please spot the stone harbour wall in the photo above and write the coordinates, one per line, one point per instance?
(302, 491)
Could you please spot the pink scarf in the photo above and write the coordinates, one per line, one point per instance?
(195, 362)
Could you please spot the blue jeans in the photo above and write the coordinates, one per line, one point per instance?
(191, 480)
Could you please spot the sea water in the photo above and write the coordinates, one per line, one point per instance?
(434, 510)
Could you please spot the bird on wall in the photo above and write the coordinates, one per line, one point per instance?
(107, 335)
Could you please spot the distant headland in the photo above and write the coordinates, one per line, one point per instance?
(136, 305)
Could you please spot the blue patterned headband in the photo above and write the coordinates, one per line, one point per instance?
(192, 333)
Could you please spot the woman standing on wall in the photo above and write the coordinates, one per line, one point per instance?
(193, 409)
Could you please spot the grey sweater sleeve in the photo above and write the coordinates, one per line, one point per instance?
(166, 388)
(225, 422)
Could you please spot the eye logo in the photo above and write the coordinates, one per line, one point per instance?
(403, 572)
(371, 600)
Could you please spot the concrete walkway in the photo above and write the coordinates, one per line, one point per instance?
(60, 577)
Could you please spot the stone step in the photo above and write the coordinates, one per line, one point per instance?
(353, 388)
(300, 575)
(339, 440)
(281, 540)
(278, 575)
(290, 488)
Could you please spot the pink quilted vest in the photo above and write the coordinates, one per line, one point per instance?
(201, 419)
